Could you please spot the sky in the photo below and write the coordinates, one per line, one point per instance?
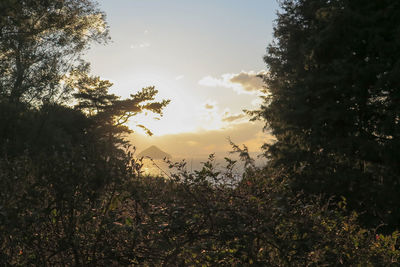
(203, 55)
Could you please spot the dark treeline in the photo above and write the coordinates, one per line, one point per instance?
(71, 193)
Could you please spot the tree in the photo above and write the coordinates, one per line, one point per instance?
(108, 111)
(62, 167)
(333, 102)
(41, 41)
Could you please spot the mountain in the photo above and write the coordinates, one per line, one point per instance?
(154, 153)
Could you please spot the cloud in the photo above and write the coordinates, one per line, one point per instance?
(214, 118)
(243, 82)
(234, 118)
(250, 81)
(217, 82)
(208, 106)
(179, 77)
(192, 143)
(209, 115)
(140, 45)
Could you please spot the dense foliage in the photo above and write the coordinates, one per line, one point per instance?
(69, 211)
(333, 103)
(41, 41)
(72, 194)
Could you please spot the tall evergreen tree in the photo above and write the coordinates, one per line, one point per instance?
(333, 102)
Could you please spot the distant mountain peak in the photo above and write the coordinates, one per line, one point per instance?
(154, 152)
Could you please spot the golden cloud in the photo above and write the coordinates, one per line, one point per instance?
(250, 82)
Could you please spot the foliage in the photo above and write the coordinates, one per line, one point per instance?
(40, 42)
(332, 103)
(108, 112)
(72, 194)
(98, 212)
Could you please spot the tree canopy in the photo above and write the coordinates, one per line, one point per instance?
(333, 102)
(41, 41)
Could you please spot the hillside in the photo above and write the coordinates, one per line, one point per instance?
(154, 153)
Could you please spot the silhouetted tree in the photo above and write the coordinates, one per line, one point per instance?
(109, 112)
(333, 102)
(41, 41)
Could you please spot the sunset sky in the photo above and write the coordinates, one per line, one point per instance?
(203, 55)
